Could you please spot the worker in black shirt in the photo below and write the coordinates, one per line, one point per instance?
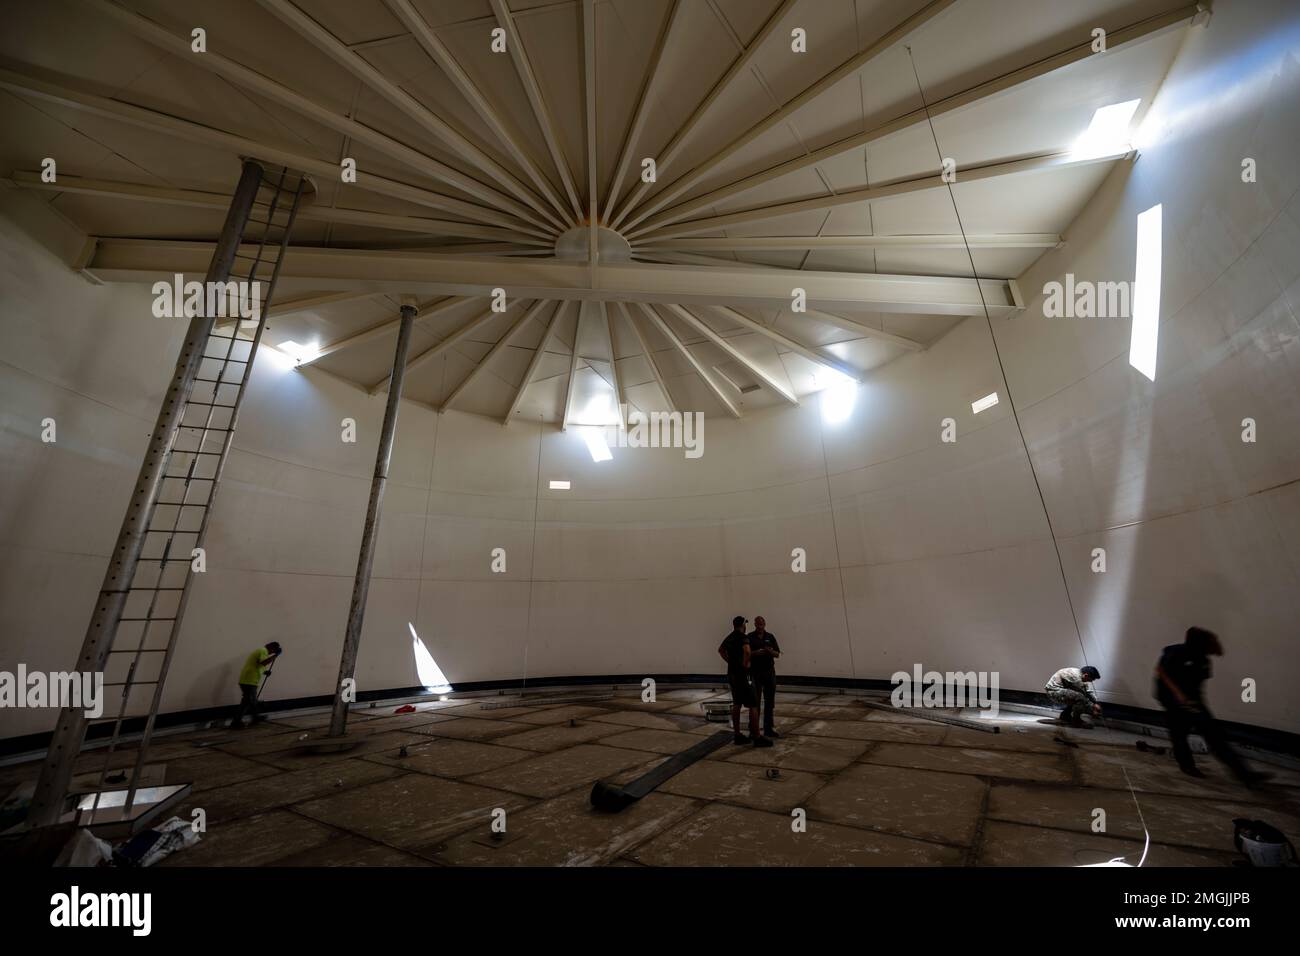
(763, 652)
(734, 649)
(1181, 671)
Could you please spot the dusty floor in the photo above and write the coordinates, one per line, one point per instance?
(877, 788)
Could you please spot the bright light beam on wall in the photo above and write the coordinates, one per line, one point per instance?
(1146, 294)
(428, 672)
(594, 436)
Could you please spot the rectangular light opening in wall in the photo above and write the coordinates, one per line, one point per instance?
(297, 351)
(559, 486)
(1146, 294)
(1108, 131)
(988, 401)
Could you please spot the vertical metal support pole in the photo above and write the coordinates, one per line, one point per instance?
(69, 732)
(366, 558)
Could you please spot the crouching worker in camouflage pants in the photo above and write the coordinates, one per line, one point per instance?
(1069, 689)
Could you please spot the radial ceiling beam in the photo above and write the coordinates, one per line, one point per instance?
(308, 269)
(678, 344)
(307, 303)
(660, 229)
(983, 91)
(642, 106)
(846, 69)
(817, 356)
(427, 311)
(263, 85)
(500, 346)
(866, 331)
(535, 361)
(203, 199)
(506, 135)
(655, 370)
(691, 259)
(354, 63)
(242, 146)
(434, 351)
(515, 44)
(613, 356)
(742, 62)
(771, 381)
(573, 372)
(1015, 240)
(589, 80)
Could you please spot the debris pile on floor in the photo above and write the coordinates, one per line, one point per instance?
(144, 849)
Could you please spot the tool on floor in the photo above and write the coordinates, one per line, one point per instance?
(716, 711)
(267, 676)
(1147, 748)
(773, 773)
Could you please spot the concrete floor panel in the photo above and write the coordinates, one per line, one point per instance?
(655, 741)
(412, 810)
(1010, 844)
(352, 850)
(473, 728)
(566, 831)
(1009, 737)
(722, 835)
(253, 841)
(1170, 820)
(559, 736)
(252, 797)
(552, 774)
(1047, 768)
(303, 757)
(745, 785)
(945, 807)
(629, 718)
(817, 754)
(451, 758)
(874, 730)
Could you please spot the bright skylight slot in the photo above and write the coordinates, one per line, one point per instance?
(559, 485)
(1108, 131)
(837, 396)
(300, 353)
(1146, 294)
(988, 401)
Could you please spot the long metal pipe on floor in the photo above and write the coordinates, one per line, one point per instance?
(366, 557)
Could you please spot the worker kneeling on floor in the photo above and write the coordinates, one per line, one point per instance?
(1069, 689)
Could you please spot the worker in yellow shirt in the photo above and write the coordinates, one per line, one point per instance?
(256, 666)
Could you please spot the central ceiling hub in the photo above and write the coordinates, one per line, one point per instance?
(573, 245)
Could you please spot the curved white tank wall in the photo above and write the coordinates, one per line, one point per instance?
(944, 550)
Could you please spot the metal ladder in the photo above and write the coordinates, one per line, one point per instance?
(169, 514)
